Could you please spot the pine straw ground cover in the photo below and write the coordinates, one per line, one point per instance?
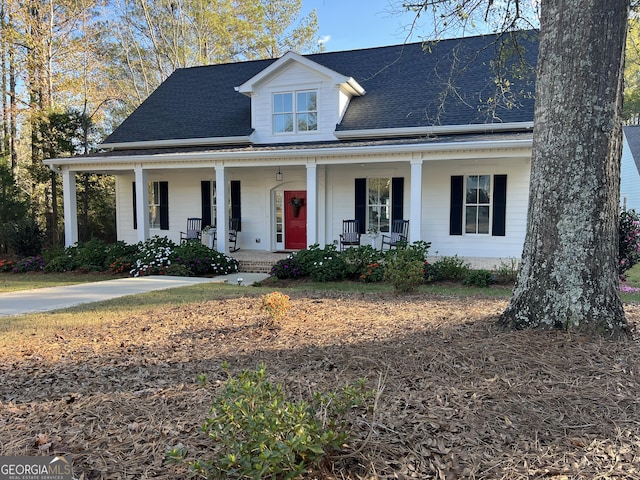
(458, 398)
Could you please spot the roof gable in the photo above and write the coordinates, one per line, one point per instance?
(453, 82)
(289, 58)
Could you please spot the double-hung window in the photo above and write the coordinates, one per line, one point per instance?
(295, 112)
(379, 204)
(477, 203)
(154, 204)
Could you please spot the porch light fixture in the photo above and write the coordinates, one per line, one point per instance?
(279, 175)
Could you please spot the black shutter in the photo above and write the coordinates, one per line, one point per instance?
(135, 208)
(164, 205)
(397, 198)
(361, 203)
(235, 202)
(499, 205)
(456, 205)
(205, 191)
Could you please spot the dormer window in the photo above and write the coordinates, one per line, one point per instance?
(295, 112)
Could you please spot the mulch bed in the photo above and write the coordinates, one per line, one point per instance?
(458, 397)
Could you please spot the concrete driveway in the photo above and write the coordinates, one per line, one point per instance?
(56, 298)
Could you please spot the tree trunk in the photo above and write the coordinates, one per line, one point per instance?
(569, 277)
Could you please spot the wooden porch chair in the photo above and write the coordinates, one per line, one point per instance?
(350, 235)
(399, 233)
(194, 230)
(234, 223)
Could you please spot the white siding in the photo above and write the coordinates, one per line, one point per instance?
(296, 77)
(629, 180)
(337, 198)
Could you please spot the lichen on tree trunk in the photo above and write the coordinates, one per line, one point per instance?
(569, 277)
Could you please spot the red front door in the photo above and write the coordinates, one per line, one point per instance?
(295, 219)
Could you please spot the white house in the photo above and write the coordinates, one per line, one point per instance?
(629, 169)
(436, 136)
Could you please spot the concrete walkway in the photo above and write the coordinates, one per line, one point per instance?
(55, 298)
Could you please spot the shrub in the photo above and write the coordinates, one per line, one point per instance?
(629, 240)
(24, 237)
(276, 305)
(258, 433)
(478, 278)
(62, 263)
(287, 268)
(447, 268)
(91, 255)
(6, 265)
(358, 261)
(29, 264)
(323, 265)
(507, 271)
(403, 269)
(153, 257)
(374, 272)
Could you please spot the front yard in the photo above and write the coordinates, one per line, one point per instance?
(113, 386)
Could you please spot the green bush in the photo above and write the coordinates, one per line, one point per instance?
(153, 257)
(91, 255)
(359, 261)
(404, 269)
(64, 262)
(447, 268)
(287, 268)
(198, 259)
(29, 264)
(24, 237)
(507, 271)
(629, 240)
(478, 278)
(258, 433)
(322, 265)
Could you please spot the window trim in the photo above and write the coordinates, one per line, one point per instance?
(477, 205)
(294, 112)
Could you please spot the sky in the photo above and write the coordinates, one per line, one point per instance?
(353, 24)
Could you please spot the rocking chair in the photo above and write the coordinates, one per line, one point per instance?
(350, 235)
(399, 234)
(194, 230)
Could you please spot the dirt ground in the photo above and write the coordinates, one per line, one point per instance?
(458, 397)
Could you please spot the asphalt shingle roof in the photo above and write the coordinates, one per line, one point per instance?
(452, 82)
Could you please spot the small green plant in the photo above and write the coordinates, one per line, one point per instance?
(276, 305)
(478, 278)
(507, 271)
(258, 433)
(447, 268)
(404, 268)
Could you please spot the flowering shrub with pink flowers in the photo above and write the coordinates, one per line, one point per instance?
(629, 240)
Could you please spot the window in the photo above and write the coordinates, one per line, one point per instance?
(158, 198)
(477, 203)
(295, 112)
(154, 204)
(210, 202)
(378, 204)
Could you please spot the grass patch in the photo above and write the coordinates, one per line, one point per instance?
(13, 282)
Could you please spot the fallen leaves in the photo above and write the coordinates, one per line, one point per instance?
(460, 398)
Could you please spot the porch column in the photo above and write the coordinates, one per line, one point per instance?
(142, 203)
(222, 210)
(312, 204)
(70, 207)
(415, 212)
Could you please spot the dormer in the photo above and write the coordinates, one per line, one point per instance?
(297, 100)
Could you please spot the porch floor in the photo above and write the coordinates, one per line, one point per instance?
(257, 261)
